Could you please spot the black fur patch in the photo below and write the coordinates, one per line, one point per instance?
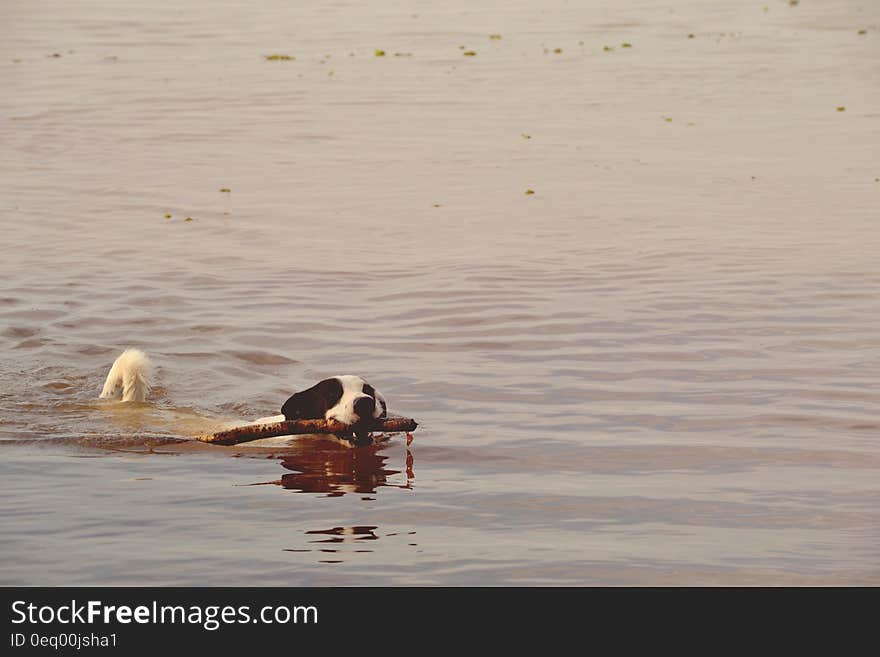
(311, 404)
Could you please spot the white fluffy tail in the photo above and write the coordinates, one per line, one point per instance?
(130, 378)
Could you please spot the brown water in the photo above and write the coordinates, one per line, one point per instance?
(662, 367)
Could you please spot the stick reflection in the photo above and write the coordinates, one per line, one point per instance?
(334, 469)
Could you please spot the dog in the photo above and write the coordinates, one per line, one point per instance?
(345, 398)
(348, 398)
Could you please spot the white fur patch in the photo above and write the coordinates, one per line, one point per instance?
(130, 378)
(381, 404)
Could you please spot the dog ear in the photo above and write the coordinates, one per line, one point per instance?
(294, 407)
(311, 404)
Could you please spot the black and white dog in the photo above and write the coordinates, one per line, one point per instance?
(347, 398)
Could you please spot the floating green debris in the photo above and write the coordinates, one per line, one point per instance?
(188, 219)
(691, 36)
(167, 216)
(225, 189)
(607, 48)
(437, 205)
(54, 54)
(16, 61)
(403, 54)
(841, 109)
(495, 37)
(529, 192)
(558, 51)
(525, 136)
(863, 32)
(469, 53)
(626, 45)
(793, 3)
(379, 53)
(279, 58)
(668, 119)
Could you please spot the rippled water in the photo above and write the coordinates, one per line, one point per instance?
(661, 367)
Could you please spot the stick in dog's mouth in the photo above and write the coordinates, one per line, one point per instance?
(293, 427)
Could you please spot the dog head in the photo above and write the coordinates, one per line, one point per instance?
(347, 399)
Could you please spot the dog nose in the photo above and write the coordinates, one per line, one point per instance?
(364, 407)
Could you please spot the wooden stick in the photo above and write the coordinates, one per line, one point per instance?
(291, 427)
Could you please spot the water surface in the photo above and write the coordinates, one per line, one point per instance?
(661, 367)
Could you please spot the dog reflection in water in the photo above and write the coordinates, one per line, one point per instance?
(325, 466)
